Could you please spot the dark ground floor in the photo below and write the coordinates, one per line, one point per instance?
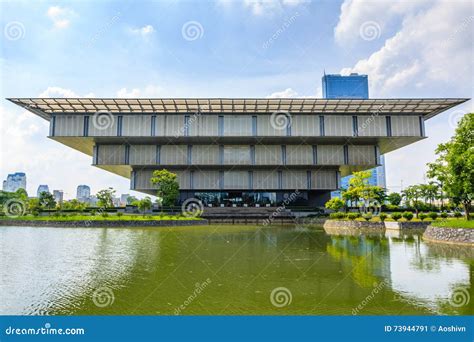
(235, 198)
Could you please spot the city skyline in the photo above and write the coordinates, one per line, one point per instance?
(81, 193)
(271, 57)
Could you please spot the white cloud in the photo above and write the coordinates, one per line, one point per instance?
(354, 13)
(432, 46)
(288, 92)
(143, 31)
(148, 91)
(294, 2)
(60, 16)
(430, 54)
(61, 92)
(266, 7)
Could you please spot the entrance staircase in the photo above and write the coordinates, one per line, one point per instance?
(245, 215)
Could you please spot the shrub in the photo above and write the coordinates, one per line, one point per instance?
(367, 216)
(396, 216)
(93, 212)
(337, 216)
(422, 216)
(105, 214)
(382, 217)
(407, 215)
(334, 204)
(444, 214)
(457, 214)
(57, 214)
(352, 216)
(119, 214)
(433, 215)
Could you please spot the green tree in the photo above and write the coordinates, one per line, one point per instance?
(412, 196)
(106, 198)
(394, 198)
(335, 204)
(454, 167)
(34, 206)
(167, 186)
(46, 200)
(73, 204)
(21, 194)
(429, 192)
(144, 204)
(131, 199)
(360, 190)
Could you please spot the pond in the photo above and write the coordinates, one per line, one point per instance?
(222, 270)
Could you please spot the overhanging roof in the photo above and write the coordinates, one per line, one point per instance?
(428, 108)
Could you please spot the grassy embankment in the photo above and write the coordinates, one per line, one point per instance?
(99, 218)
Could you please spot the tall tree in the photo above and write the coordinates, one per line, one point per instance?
(144, 204)
(46, 200)
(360, 190)
(454, 167)
(394, 198)
(412, 195)
(167, 186)
(106, 198)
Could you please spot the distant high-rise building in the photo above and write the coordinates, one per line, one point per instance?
(14, 182)
(58, 196)
(42, 188)
(123, 199)
(353, 86)
(83, 193)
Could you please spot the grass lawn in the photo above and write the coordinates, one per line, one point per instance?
(99, 218)
(454, 223)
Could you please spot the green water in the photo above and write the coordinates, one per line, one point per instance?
(228, 270)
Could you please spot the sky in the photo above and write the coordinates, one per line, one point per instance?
(272, 48)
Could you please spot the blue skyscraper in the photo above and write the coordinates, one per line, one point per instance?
(354, 86)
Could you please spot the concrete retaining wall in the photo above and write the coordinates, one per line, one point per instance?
(104, 224)
(464, 236)
(353, 227)
(418, 225)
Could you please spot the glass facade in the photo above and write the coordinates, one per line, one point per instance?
(353, 86)
(237, 198)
